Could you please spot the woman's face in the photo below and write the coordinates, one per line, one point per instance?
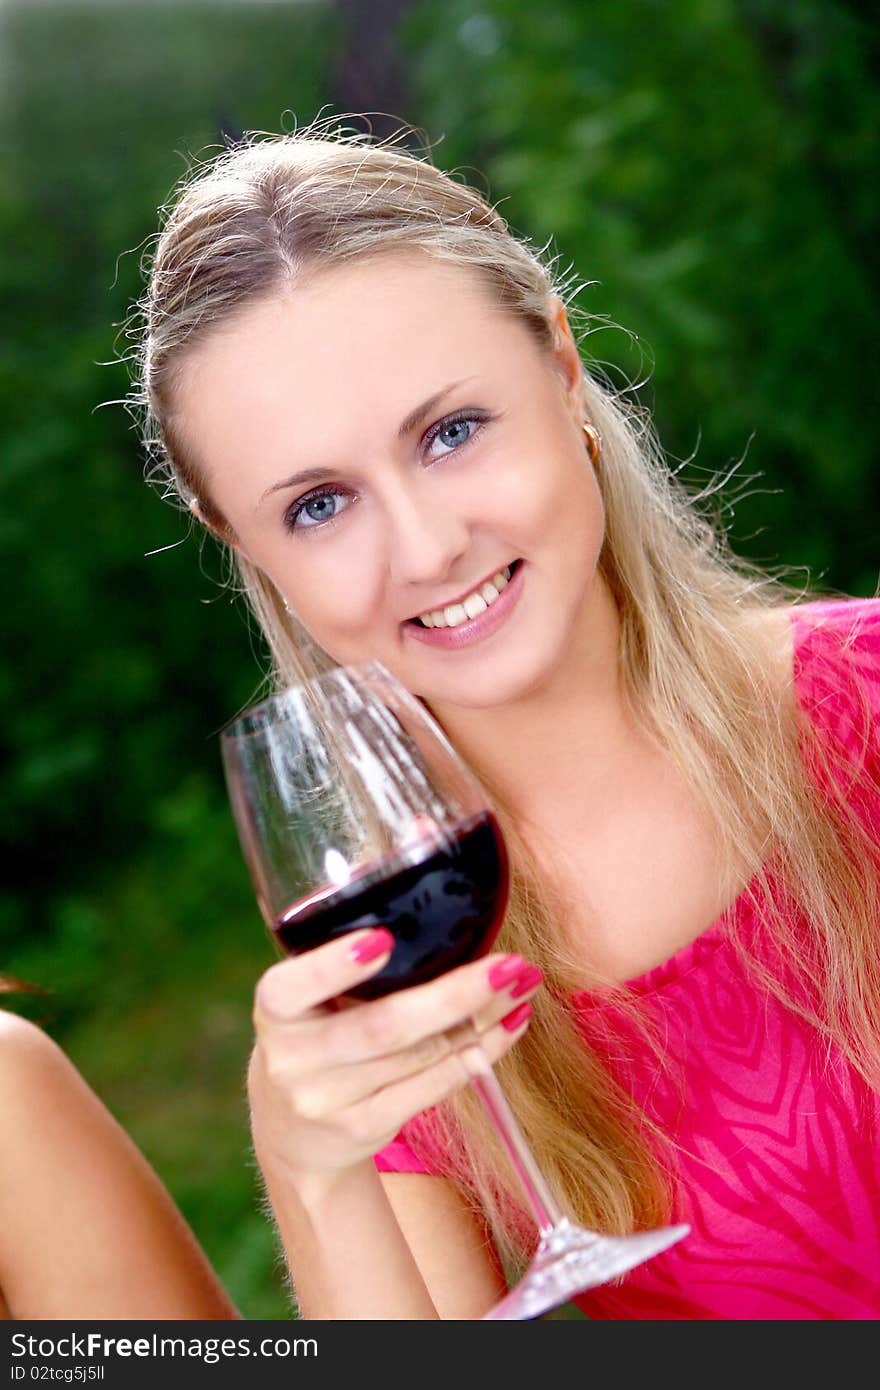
(384, 441)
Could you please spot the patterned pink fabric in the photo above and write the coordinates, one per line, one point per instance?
(779, 1141)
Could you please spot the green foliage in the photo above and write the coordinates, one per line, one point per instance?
(125, 895)
(707, 166)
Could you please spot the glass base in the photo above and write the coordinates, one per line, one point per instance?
(570, 1260)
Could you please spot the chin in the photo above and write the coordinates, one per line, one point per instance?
(492, 683)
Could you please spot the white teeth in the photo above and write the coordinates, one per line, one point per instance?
(475, 603)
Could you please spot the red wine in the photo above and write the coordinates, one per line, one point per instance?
(443, 910)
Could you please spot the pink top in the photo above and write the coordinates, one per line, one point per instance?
(780, 1142)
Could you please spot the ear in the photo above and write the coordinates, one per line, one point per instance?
(196, 512)
(222, 533)
(567, 359)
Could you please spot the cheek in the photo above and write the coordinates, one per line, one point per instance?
(583, 526)
(554, 492)
(335, 589)
(587, 506)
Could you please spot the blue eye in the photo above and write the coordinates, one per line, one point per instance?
(313, 510)
(322, 506)
(456, 431)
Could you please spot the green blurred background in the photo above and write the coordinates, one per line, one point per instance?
(707, 166)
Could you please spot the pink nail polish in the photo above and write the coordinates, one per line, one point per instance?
(530, 977)
(371, 947)
(518, 1017)
(504, 971)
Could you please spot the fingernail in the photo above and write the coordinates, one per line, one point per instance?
(531, 976)
(503, 971)
(378, 943)
(517, 1018)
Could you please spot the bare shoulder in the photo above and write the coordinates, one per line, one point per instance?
(772, 625)
(34, 1069)
(43, 1093)
(25, 1051)
(17, 1033)
(87, 1229)
(773, 630)
(41, 1089)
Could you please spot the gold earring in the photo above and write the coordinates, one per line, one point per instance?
(594, 441)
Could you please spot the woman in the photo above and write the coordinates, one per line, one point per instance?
(86, 1228)
(369, 390)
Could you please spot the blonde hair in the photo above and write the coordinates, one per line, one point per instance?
(699, 671)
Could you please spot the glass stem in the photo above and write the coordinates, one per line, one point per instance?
(545, 1208)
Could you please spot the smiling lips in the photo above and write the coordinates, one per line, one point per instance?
(477, 601)
(474, 617)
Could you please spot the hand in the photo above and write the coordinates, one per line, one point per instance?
(329, 1086)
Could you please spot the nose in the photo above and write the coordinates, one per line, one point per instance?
(426, 537)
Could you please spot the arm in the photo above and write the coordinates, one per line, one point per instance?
(398, 1246)
(328, 1088)
(453, 1251)
(87, 1230)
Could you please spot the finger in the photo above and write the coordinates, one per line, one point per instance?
(380, 1116)
(409, 1017)
(320, 1095)
(526, 982)
(294, 987)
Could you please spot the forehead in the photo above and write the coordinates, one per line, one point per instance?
(375, 336)
(365, 321)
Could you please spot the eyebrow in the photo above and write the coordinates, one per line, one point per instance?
(406, 427)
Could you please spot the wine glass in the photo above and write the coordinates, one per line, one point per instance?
(354, 810)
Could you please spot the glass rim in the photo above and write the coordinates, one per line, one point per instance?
(256, 715)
